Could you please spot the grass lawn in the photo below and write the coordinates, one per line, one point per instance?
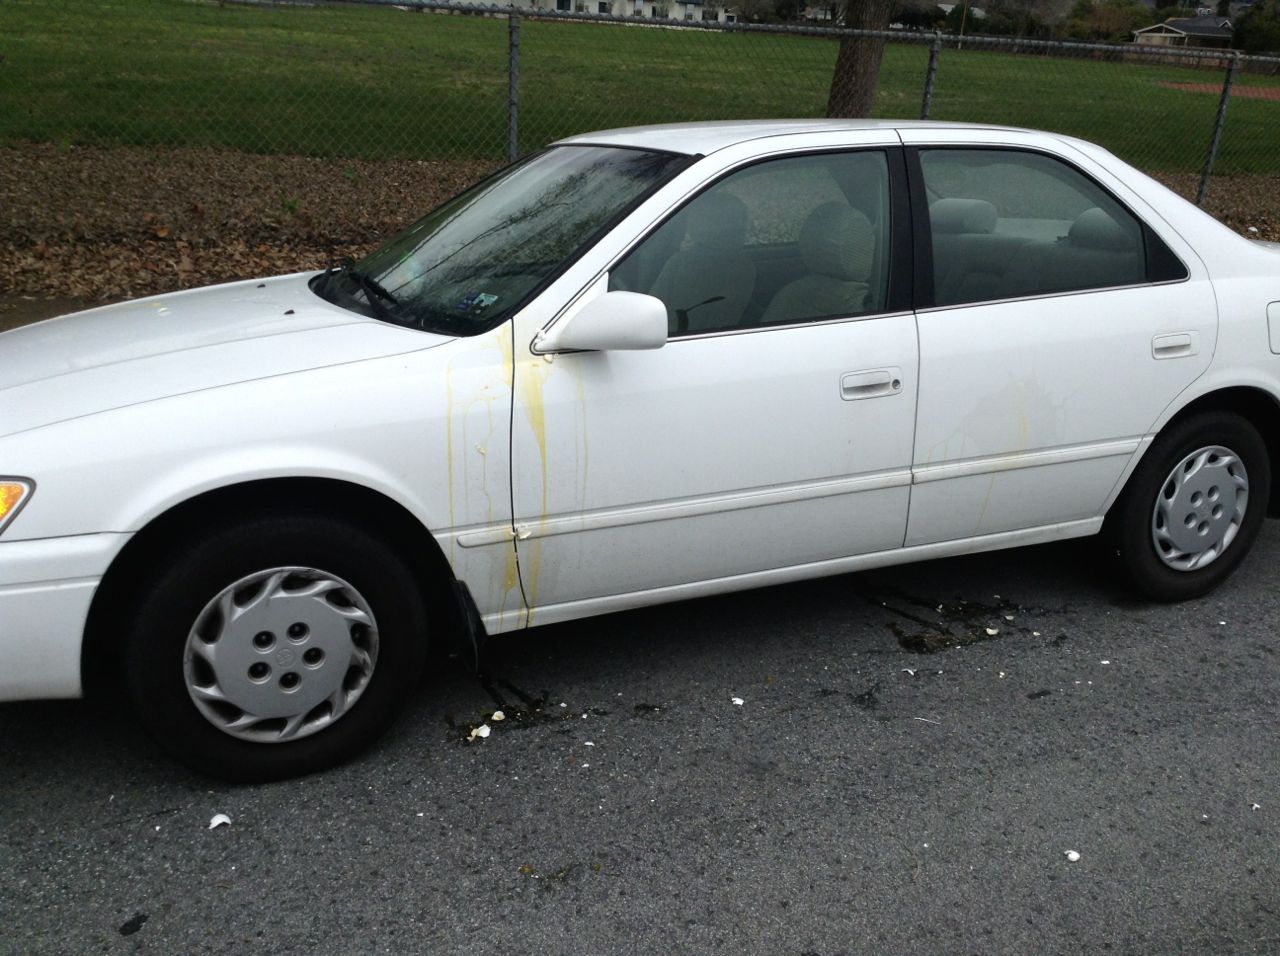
(381, 83)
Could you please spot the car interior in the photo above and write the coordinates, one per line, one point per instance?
(1006, 225)
(785, 241)
(978, 256)
(807, 237)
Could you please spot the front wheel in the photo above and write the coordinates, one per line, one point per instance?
(276, 647)
(1193, 506)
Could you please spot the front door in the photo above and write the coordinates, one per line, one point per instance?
(774, 429)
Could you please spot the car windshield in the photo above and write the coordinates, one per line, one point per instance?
(468, 265)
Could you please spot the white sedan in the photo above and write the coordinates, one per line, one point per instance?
(639, 366)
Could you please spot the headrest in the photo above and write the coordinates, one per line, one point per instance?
(719, 221)
(963, 215)
(1095, 229)
(837, 240)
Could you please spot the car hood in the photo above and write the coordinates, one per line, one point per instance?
(169, 345)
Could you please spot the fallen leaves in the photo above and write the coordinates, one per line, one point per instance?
(104, 224)
(1249, 204)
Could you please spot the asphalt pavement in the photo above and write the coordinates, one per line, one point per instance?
(898, 761)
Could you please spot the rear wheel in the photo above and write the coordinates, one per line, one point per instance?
(276, 647)
(1193, 506)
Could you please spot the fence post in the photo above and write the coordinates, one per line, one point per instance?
(513, 85)
(927, 103)
(1217, 128)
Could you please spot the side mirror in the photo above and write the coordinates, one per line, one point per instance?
(613, 321)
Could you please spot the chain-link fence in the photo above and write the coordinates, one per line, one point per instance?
(423, 79)
(368, 84)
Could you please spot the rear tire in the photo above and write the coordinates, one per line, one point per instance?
(1193, 507)
(275, 647)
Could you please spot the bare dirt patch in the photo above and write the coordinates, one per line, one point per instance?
(1248, 92)
(97, 225)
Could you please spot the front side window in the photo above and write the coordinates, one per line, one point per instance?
(1006, 224)
(789, 240)
(468, 265)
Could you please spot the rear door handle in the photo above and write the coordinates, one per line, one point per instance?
(870, 383)
(1175, 345)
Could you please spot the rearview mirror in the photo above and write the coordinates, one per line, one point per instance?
(613, 321)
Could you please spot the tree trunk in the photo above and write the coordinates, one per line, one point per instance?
(853, 84)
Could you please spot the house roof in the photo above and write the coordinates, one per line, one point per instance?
(1201, 26)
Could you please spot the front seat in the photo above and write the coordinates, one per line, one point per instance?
(706, 285)
(838, 247)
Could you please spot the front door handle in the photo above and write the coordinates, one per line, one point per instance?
(870, 383)
(1175, 345)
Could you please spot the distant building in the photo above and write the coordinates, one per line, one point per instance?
(659, 10)
(1205, 29)
(976, 12)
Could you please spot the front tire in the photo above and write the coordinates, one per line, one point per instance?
(276, 647)
(1193, 507)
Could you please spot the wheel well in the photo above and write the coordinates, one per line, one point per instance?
(128, 572)
(1261, 410)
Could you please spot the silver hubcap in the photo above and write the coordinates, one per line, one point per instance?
(1200, 507)
(280, 654)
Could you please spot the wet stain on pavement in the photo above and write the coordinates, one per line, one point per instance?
(868, 700)
(933, 626)
(517, 709)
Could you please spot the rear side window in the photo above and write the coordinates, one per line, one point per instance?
(1007, 224)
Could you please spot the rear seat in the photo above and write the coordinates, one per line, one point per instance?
(969, 260)
(1096, 253)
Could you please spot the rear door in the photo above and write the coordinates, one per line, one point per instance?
(1058, 324)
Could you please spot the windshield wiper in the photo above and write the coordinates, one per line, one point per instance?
(372, 288)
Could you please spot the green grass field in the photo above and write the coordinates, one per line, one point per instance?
(376, 83)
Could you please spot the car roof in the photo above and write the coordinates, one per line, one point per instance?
(707, 137)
